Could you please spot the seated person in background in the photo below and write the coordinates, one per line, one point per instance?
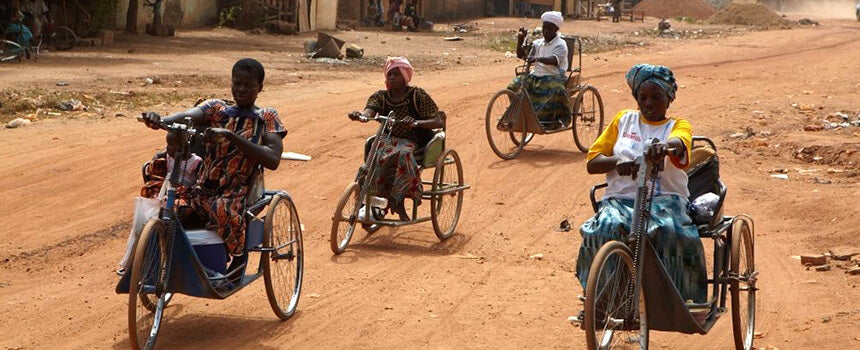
(35, 12)
(394, 12)
(410, 16)
(546, 81)
(17, 31)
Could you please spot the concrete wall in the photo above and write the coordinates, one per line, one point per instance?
(443, 10)
(326, 14)
(350, 9)
(180, 13)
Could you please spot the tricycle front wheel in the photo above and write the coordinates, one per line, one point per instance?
(612, 320)
(344, 219)
(500, 122)
(145, 305)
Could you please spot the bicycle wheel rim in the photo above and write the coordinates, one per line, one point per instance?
(344, 219)
(10, 50)
(63, 38)
(587, 118)
(283, 267)
(609, 299)
(743, 293)
(446, 208)
(505, 142)
(146, 319)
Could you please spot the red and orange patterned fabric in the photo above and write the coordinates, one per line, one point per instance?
(226, 172)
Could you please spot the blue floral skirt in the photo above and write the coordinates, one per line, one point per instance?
(548, 96)
(671, 232)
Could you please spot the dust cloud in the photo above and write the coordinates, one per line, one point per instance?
(815, 8)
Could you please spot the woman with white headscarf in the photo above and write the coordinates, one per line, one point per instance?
(397, 176)
(546, 81)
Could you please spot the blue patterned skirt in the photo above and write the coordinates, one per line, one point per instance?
(548, 96)
(671, 232)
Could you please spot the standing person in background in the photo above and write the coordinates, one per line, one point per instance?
(393, 8)
(35, 15)
(375, 12)
(616, 10)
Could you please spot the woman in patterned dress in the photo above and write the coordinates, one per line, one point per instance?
(670, 229)
(239, 138)
(397, 176)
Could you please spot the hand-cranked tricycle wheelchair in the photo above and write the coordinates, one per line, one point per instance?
(358, 206)
(165, 262)
(629, 291)
(511, 121)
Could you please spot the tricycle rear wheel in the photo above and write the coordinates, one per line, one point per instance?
(284, 265)
(742, 286)
(587, 117)
(445, 208)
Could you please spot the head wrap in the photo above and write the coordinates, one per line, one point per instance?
(553, 17)
(660, 75)
(402, 64)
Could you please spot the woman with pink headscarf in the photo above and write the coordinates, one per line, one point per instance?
(397, 176)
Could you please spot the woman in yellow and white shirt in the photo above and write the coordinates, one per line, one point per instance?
(670, 229)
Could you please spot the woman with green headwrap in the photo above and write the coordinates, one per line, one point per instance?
(671, 230)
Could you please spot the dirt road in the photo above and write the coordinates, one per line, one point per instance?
(66, 189)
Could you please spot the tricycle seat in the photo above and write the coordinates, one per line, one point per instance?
(425, 156)
(704, 177)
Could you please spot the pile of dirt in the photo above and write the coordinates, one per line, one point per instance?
(757, 15)
(697, 9)
(718, 4)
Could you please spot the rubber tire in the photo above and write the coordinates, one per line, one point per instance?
(339, 246)
(148, 302)
(489, 124)
(576, 107)
(63, 38)
(600, 259)
(133, 298)
(744, 338)
(284, 312)
(528, 138)
(436, 202)
(16, 51)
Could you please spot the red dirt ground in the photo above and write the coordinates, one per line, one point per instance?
(67, 183)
